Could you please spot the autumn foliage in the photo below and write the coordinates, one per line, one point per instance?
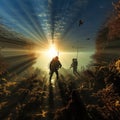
(108, 38)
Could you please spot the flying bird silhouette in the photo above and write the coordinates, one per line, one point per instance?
(88, 38)
(80, 22)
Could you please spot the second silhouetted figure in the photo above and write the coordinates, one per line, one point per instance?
(74, 65)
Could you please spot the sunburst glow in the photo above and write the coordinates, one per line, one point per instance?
(52, 52)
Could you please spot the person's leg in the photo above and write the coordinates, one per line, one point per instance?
(57, 75)
(74, 70)
(51, 74)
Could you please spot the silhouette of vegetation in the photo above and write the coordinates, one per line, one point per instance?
(108, 39)
(93, 95)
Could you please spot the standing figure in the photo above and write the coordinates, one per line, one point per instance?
(54, 66)
(74, 65)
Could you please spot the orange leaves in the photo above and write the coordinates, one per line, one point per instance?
(117, 103)
(114, 22)
(117, 65)
(108, 37)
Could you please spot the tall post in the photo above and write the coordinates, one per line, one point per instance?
(77, 53)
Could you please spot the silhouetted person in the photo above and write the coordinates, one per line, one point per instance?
(54, 66)
(74, 65)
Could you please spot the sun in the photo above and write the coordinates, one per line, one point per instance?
(52, 52)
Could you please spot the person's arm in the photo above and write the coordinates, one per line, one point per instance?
(71, 65)
(50, 65)
(60, 65)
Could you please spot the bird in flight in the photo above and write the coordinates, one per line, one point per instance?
(80, 22)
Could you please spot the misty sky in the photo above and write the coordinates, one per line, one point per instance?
(44, 21)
